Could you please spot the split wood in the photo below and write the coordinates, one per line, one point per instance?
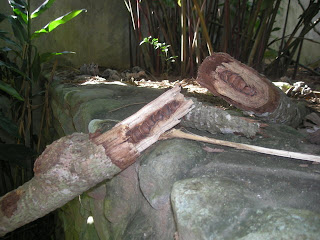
(175, 133)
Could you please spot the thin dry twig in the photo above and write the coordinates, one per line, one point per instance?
(175, 133)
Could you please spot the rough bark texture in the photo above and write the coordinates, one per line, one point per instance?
(73, 164)
(67, 167)
(246, 89)
(216, 120)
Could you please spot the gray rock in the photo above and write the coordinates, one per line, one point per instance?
(94, 109)
(204, 207)
(285, 224)
(111, 74)
(248, 193)
(170, 161)
(223, 209)
(123, 201)
(90, 69)
(62, 114)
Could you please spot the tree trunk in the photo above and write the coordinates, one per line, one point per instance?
(247, 90)
(75, 163)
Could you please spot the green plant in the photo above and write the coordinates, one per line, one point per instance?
(20, 69)
(162, 50)
(20, 61)
(20, 65)
(196, 28)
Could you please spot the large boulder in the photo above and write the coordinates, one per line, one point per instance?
(185, 189)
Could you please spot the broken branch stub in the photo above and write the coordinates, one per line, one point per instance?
(247, 90)
(124, 143)
(75, 163)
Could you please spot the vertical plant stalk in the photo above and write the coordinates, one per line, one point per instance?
(226, 20)
(294, 45)
(297, 61)
(284, 28)
(167, 34)
(29, 66)
(183, 58)
(204, 27)
(264, 44)
(261, 32)
(249, 31)
(45, 109)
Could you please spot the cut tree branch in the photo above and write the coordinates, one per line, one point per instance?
(216, 120)
(75, 163)
(247, 90)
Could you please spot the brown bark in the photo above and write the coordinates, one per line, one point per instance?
(246, 89)
(216, 120)
(75, 163)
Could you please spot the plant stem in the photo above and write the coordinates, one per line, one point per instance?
(249, 30)
(29, 65)
(183, 37)
(204, 27)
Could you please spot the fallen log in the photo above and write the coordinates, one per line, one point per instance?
(75, 163)
(247, 90)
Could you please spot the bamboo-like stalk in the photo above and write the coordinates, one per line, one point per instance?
(204, 27)
(249, 31)
(289, 49)
(226, 21)
(268, 33)
(45, 109)
(215, 25)
(168, 32)
(183, 53)
(284, 27)
(260, 34)
(174, 133)
(297, 61)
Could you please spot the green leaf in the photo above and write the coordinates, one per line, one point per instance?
(19, 8)
(8, 40)
(36, 66)
(145, 40)
(18, 29)
(11, 67)
(5, 49)
(55, 23)
(10, 90)
(43, 7)
(170, 3)
(7, 125)
(18, 4)
(21, 14)
(271, 53)
(275, 29)
(44, 57)
(3, 32)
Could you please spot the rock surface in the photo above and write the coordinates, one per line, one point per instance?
(185, 189)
